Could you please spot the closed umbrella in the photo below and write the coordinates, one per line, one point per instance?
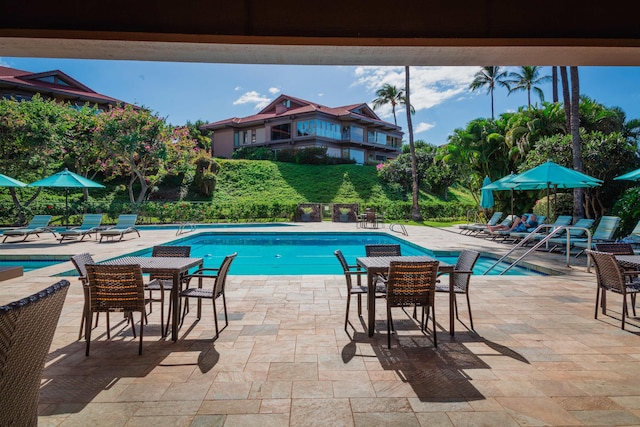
(504, 183)
(629, 176)
(66, 179)
(486, 196)
(7, 181)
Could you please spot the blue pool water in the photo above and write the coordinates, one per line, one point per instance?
(30, 265)
(272, 253)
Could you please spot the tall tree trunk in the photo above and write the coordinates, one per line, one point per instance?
(415, 209)
(566, 100)
(578, 193)
(492, 114)
(554, 78)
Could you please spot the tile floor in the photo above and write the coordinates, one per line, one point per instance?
(537, 355)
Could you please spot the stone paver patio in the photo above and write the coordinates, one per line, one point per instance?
(537, 356)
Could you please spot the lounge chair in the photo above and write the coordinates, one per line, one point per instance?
(484, 232)
(577, 231)
(39, 224)
(126, 224)
(472, 228)
(604, 233)
(90, 224)
(517, 235)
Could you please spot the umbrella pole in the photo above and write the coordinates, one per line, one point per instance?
(512, 202)
(66, 207)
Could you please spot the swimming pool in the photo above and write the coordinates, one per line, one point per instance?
(300, 253)
(29, 263)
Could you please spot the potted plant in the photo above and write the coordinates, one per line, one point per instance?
(306, 213)
(344, 214)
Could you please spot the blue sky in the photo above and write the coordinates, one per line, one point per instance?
(183, 92)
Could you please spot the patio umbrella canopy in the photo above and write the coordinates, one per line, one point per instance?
(550, 174)
(7, 181)
(629, 176)
(66, 179)
(486, 196)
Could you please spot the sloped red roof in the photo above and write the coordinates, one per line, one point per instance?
(298, 107)
(26, 80)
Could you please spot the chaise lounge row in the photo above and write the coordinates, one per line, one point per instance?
(91, 224)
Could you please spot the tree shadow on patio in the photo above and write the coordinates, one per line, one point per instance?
(71, 380)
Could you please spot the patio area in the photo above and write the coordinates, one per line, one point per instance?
(537, 355)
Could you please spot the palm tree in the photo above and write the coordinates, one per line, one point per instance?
(578, 193)
(415, 209)
(489, 77)
(527, 79)
(389, 94)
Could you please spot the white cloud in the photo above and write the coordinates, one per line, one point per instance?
(430, 86)
(320, 94)
(423, 127)
(253, 97)
(238, 88)
(274, 90)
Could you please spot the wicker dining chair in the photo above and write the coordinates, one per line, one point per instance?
(412, 284)
(27, 327)
(115, 288)
(162, 283)
(80, 261)
(358, 289)
(213, 293)
(612, 277)
(382, 250)
(616, 248)
(461, 277)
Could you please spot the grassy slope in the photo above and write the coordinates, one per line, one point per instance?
(260, 180)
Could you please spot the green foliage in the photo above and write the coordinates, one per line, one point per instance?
(561, 204)
(253, 153)
(627, 207)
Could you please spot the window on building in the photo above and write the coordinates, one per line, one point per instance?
(357, 133)
(280, 132)
(376, 137)
(253, 136)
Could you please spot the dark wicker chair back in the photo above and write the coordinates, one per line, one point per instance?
(609, 273)
(411, 284)
(617, 248)
(169, 251)
(213, 293)
(611, 276)
(115, 288)
(80, 261)
(383, 250)
(464, 269)
(27, 327)
(348, 272)
(164, 282)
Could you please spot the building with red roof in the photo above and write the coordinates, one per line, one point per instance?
(23, 85)
(352, 132)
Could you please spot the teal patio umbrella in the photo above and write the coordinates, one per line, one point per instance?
(7, 181)
(504, 183)
(629, 176)
(486, 196)
(552, 175)
(66, 179)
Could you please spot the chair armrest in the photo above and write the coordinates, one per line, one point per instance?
(631, 273)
